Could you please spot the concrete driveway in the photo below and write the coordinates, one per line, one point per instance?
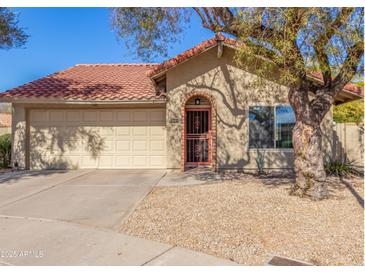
(72, 218)
(96, 198)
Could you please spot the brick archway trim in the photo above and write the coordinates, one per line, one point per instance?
(213, 114)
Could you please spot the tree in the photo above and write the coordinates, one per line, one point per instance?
(11, 35)
(291, 40)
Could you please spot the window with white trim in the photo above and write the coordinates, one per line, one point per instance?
(271, 127)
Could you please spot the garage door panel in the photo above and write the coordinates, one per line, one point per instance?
(123, 131)
(158, 147)
(53, 150)
(106, 116)
(123, 116)
(39, 116)
(73, 116)
(157, 131)
(89, 130)
(107, 131)
(123, 147)
(123, 161)
(71, 139)
(157, 161)
(140, 161)
(46, 161)
(107, 138)
(75, 150)
(141, 131)
(56, 116)
(106, 161)
(90, 116)
(140, 145)
(157, 115)
(108, 147)
(89, 161)
(40, 135)
(140, 116)
(74, 161)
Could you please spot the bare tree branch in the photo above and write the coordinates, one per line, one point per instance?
(202, 18)
(324, 97)
(209, 18)
(323, 40)
(349, 67)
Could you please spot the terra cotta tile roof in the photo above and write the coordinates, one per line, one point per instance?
(190, 53)
(92, 82)
(118, 81)
(348, 87)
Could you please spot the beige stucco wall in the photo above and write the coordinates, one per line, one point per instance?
(233, 90)
(348, 143)
(19, 131)
(5, 130)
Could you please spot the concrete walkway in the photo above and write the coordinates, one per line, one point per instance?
(196, 176)
(73, 218)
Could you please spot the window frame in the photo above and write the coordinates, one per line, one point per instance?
(275, 126)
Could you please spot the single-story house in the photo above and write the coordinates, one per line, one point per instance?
(197, 108)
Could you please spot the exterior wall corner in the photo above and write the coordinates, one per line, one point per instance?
(19, 137)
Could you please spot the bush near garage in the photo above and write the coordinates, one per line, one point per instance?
(5, 150)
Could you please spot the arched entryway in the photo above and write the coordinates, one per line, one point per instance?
(199, 131)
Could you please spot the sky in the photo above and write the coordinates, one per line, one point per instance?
(62, 37)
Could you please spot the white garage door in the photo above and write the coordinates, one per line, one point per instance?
(107, 138)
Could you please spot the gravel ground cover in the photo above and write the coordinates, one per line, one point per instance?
(247, 219)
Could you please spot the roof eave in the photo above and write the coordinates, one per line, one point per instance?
(344, 96)
(47, 100)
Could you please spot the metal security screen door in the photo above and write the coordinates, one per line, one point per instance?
(197, 136)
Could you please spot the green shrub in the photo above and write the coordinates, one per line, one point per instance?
(340, 169)
(351, 112)
(5, 150)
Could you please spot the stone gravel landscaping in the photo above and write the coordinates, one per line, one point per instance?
(248, 219)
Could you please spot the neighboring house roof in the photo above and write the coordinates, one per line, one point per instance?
(349, 87)
(5, 119)
(92, 82)
(130, 82)
(349, 93)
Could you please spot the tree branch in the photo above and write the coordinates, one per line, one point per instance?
(209, 18)
(336, 24)
(225, 15)
(324, 64)
(323, 40)
(202, 17)
(294, 18)
(324, 97)
(349, 67)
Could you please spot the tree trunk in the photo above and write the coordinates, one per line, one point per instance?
(308, 162)
(307, 144)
